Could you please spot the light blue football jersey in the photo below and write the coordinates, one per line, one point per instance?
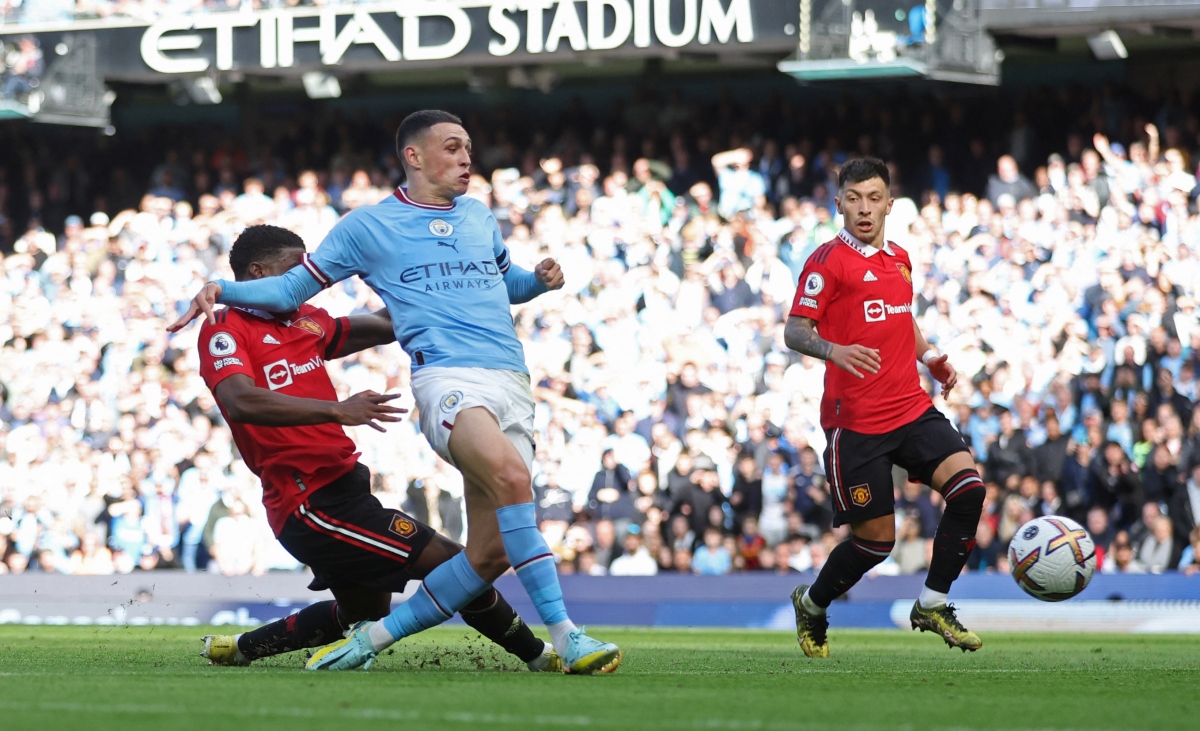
(443, 272)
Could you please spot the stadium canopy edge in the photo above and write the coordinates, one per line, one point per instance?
(838, 69)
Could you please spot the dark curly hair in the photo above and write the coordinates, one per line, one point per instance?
(260, 243)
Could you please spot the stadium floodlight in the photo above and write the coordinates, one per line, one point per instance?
(203, 90)
(319, 85)
(1107, 46)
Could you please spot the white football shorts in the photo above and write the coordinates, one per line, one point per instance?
(442, 392)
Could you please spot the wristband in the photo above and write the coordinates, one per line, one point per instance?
(928, 356)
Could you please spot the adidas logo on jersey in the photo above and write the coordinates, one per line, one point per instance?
(270, 340)
(870, 277)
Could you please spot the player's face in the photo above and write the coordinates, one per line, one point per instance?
(864, 206)
(443, 157)
(276, 266)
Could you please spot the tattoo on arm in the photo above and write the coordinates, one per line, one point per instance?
(800, 334)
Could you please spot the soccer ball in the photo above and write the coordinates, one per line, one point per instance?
(1052, 558)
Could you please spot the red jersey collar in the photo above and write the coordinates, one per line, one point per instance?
(402, 195)
(865, 249)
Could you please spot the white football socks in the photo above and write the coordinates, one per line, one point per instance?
(542, 661)
(931, 599)
(380, 637)
(238, 654)
(559, 634)
(809, 605)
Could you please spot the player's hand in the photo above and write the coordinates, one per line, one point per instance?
(203, 303)
(943, 372)
(367, 408)
(851, 358)
(549, 273)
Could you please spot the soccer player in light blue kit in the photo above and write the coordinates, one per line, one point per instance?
(440, 265)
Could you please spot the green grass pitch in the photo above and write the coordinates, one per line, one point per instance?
(129, 678)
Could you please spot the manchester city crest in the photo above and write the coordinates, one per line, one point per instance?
(440, 228)
(451, 400)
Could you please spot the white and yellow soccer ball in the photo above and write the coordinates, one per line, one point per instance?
(1052, 558)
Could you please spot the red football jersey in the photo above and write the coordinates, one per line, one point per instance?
(286, 356)
(860, 295)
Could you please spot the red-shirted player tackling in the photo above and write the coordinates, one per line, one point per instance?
(268, 375)
(856, 291)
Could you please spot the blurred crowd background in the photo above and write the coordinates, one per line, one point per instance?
(1054, 237)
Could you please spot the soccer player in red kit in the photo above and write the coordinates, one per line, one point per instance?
(854, 310)
(268, 374)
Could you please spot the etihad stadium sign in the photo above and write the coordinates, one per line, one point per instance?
(402, 33)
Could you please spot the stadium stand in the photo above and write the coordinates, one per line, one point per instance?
(1055, 239)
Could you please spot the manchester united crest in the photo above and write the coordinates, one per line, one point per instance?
(308, 325)
(860, 495)
(905, 272)
(403, 527)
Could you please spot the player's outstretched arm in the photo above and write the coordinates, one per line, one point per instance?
(273, 294)
(246, 403)
(800, 334)
(368, 331)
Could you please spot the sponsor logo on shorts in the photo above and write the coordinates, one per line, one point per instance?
(451, 401)
(403, 527)
(221, 345)
(440, 228)
(226, 362)
(808, 302)
(308, 325)
(860, 495)
(814, 284)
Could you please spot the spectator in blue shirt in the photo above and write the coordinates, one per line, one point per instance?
(712, 559)
(738, 184)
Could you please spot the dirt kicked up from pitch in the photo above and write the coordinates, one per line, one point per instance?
(130, 678)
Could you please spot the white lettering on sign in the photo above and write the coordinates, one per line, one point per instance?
(173, 45)
(414, 51)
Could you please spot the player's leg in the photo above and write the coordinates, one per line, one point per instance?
(451, 585)
(489, 614)
(496, 473)
(860, 481)
(313, 626)
(937, 454)
(460, 416)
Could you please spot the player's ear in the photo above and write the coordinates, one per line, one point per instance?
(837, 201)
(412, 157)
(891, 202)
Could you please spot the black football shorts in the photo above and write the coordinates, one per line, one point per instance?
(349, 539)
(859, 466)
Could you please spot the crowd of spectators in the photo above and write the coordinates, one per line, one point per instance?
(675, 432)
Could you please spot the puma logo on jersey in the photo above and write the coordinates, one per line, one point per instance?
(449, 246)
(270, 340)
(870, 277)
